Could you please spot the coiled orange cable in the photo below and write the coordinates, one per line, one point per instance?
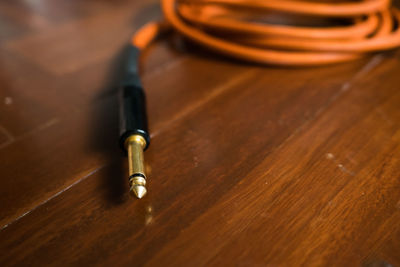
(228, 27)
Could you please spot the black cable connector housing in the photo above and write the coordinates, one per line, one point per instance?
(133, 118)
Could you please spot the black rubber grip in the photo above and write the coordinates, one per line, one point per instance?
(133, 117)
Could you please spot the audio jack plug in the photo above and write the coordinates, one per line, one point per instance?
(134, 136)
(137, 178)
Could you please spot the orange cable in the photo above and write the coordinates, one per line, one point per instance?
(234, 28)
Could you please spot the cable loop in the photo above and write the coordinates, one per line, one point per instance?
(239, 29)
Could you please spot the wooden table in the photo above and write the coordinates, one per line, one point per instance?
(248, 166)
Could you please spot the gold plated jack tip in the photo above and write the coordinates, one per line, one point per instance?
(135, 145)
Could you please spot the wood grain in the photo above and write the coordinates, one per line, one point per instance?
(248, 166)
